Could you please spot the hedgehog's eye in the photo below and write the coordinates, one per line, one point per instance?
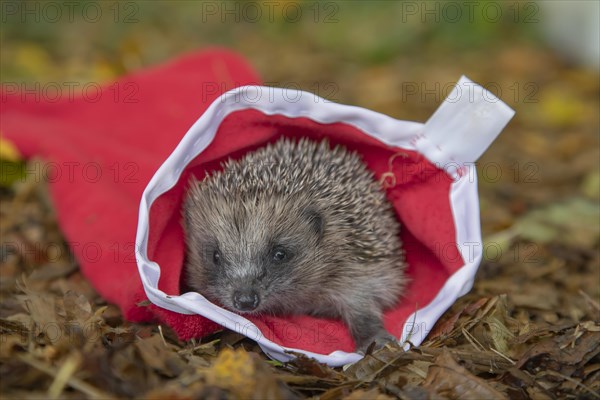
(217, 257)
(279, 255)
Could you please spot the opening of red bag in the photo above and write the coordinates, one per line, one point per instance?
(418, 190)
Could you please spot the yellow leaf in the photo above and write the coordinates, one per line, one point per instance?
(8, 151)
(233, 370)
(33, 59)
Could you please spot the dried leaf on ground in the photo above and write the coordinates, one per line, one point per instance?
(449, 379)
(243, 375)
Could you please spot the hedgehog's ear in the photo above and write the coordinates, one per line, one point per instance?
(316, 220)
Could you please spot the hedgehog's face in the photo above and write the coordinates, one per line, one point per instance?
(253, 257)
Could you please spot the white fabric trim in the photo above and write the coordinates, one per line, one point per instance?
(425, 138)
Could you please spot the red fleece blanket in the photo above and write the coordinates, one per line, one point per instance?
(103, 147)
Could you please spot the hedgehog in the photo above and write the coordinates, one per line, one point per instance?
(296, 227)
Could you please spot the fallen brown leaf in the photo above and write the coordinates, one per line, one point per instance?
(448, 378)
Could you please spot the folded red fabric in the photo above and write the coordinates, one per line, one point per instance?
(101, 148)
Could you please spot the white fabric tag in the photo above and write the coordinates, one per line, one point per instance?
(463, 127)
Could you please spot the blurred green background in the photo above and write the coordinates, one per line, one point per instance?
(399, 58)
(365, 48)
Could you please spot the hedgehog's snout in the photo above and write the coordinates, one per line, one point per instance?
(246, 299)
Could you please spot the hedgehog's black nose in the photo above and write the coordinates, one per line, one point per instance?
(245, 299)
